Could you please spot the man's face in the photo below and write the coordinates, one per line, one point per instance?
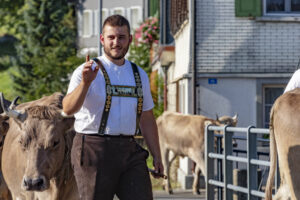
(115, 40)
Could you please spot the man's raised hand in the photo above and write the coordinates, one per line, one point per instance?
(88, 74)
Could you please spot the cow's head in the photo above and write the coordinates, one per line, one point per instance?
(40, 132)
(227, 120)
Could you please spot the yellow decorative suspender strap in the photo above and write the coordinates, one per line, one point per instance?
(107, 105)
(139, 91)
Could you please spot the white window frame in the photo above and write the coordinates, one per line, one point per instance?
(105, 14)
(285, 13)
(91, 23)
(264, 99)
(119, 9)
(96, 22)
(140, 16)
(80, 23)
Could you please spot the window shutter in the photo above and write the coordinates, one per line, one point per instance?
(248, 8)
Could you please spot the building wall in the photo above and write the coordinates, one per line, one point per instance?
(229, 44)
(228, 97)
(182, 51)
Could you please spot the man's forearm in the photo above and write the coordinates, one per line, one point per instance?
(149, 131)
(74, 100)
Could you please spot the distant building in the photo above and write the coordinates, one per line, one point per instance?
(88, 15)
(228, 56)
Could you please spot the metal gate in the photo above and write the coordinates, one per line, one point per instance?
(226, 158)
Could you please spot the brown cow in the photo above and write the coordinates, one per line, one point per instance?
(36, 153)
(285, 140)
(4, 191)
(184, 136)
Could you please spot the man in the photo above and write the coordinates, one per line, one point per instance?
(110, 98)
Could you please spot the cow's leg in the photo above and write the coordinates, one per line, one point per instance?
(200, 167)
(196, 187)
(166, 163)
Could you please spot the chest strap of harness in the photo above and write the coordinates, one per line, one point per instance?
(121, 91)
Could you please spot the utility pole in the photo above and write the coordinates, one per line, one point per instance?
(100, 27)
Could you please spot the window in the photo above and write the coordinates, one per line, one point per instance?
(87, 23)
(271, 93)
(135, 16)
(119, 11)
(281, 7)
(105, 14)
(179, 13)
(96, 19)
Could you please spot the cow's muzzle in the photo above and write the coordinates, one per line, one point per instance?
(34, 184)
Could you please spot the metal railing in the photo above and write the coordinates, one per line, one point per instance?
(225, 179)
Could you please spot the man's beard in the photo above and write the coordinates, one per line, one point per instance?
(123, 53)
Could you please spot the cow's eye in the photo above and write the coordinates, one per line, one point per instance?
(55, 143)
(23, 144)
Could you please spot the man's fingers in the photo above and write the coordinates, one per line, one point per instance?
(87, 58)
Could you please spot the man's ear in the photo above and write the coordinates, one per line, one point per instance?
(102, 38)
(130, 38)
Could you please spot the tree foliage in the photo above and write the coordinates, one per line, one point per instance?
(144, 37)
(47, 48)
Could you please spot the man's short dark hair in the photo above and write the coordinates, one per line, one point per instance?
(116, 20)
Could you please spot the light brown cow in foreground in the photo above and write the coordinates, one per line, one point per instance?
(184, 136)
(36, 153)
(285, 140)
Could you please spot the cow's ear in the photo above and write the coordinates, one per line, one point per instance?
(235, 118)
(207, 122)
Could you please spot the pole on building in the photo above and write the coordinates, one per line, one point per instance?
(100, 28)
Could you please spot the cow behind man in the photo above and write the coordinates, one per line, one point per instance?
(184, 136)
(36, 153)
(285, 140)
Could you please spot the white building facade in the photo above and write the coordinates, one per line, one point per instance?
(231, 56)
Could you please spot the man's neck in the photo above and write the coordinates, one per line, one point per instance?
(118, 62)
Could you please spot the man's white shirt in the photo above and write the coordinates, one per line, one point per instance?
(294, 82)
(122, 115)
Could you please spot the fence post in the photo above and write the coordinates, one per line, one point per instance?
(209, 163)
(252, 169)
(219, 167)
(227, 163)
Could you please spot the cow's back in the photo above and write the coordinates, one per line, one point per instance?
(180, 132)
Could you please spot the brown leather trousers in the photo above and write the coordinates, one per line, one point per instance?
(105, 166)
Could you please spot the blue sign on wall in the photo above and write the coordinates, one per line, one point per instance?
(212, 81)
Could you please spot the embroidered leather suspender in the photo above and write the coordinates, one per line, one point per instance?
(122, 91)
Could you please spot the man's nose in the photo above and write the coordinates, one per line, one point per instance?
(116, 41)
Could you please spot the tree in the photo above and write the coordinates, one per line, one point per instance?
(144, 37)
(46, 49)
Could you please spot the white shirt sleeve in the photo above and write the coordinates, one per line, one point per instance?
(75, 79)
(294, 82)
